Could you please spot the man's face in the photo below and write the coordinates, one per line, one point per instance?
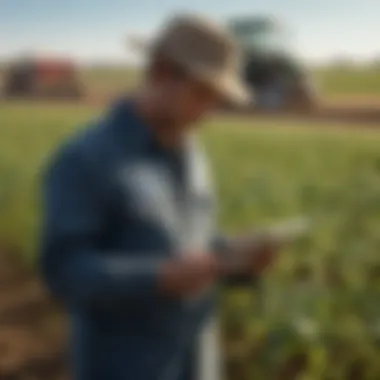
(185, 100)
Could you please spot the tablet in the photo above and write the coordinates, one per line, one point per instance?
(285, 232)
(279, 234)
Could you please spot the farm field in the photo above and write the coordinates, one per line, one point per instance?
(348, 94)
(317, 312)
(333, 82)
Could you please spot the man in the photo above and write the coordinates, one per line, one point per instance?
(129, 241)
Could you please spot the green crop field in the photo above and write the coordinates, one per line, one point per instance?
(321, 301)
(332, 82)
(349, 81)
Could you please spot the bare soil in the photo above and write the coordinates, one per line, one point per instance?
(32, 332)
(345, 109)
(358, 109)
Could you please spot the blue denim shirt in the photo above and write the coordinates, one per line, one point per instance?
(113, 211)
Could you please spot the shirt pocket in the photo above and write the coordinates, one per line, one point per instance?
(148, 196)
(200, 221)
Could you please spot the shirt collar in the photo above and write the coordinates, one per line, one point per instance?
(127, 121)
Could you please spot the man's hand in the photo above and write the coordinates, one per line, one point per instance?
(261, 256)
(251, 257)
(189, 274)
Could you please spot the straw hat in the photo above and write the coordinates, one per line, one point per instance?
(206, 50)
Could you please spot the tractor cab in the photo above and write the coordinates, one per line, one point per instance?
(261, 36)
(271, 69)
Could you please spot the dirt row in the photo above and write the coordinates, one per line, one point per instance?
(32, 332)
(344, 109)
(343, 118)
(349, 109)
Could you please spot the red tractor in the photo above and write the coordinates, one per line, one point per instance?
(45, 78)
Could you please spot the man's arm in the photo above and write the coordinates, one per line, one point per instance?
(72, 263)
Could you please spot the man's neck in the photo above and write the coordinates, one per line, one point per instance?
(161, 128)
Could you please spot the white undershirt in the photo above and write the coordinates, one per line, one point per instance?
(209, 354)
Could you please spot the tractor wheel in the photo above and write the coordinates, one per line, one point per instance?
(304, 97)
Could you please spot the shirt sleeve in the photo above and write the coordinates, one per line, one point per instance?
(74, 266)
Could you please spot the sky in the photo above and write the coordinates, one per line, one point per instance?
(96, 30)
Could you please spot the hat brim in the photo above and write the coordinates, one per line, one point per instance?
(230, 87)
